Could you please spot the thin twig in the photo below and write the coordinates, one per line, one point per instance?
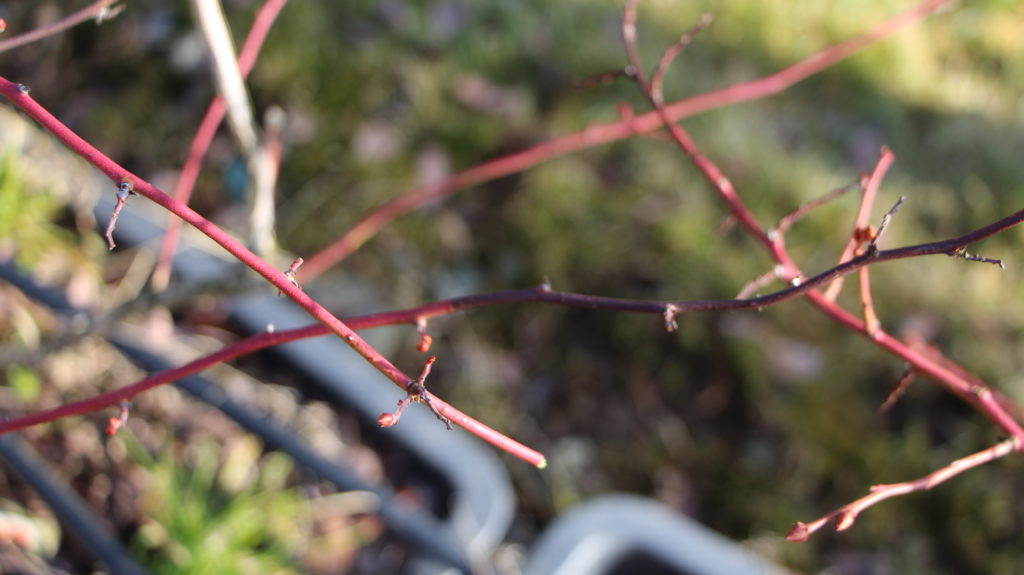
(672, 51)
(101, 11)
(124, 190)
(981, 397)
(963, 254)
(787, 221)
(261, 25)
(871, 322)
(847, 514)
(116, 172)
(871, 186)
(877, 236)
(758, 283)
(901, 387)
(596, 135)
(261, 161)
(711, 171)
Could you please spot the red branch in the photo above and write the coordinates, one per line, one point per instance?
(21, 98)
(204, 137)
(930, 361)
(606, 133)
(996, 408)
(847, 514)
(864, 214)
(930, 364)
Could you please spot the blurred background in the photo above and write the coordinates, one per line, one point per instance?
(745, 421)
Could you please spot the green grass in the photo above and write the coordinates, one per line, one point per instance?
(204, 515)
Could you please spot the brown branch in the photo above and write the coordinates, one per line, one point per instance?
(847, 514)
(924, 360)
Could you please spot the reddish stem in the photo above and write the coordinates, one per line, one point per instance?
(847, 514)
(863, 214)
(21, 99)
(605, 133)
(204, 137)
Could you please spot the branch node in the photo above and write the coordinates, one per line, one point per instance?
(670, 318)
(846, 519)
(416, 392)
(290, 274)
(981, 392)
(23, 89)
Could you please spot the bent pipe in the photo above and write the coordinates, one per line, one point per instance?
(66, 505)
(598, 538)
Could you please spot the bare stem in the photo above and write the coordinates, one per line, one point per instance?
(599, 134)
(20, 98)
(979, 395)
(867, 201)
(787, 221)
(204, 137)
(847, 514)
(670, 53)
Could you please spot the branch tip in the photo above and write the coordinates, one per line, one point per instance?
(963, 254)
(124, 190)
(116, 423)
(109, 13)
(877, 236)
(416, 392)
(799, 532)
